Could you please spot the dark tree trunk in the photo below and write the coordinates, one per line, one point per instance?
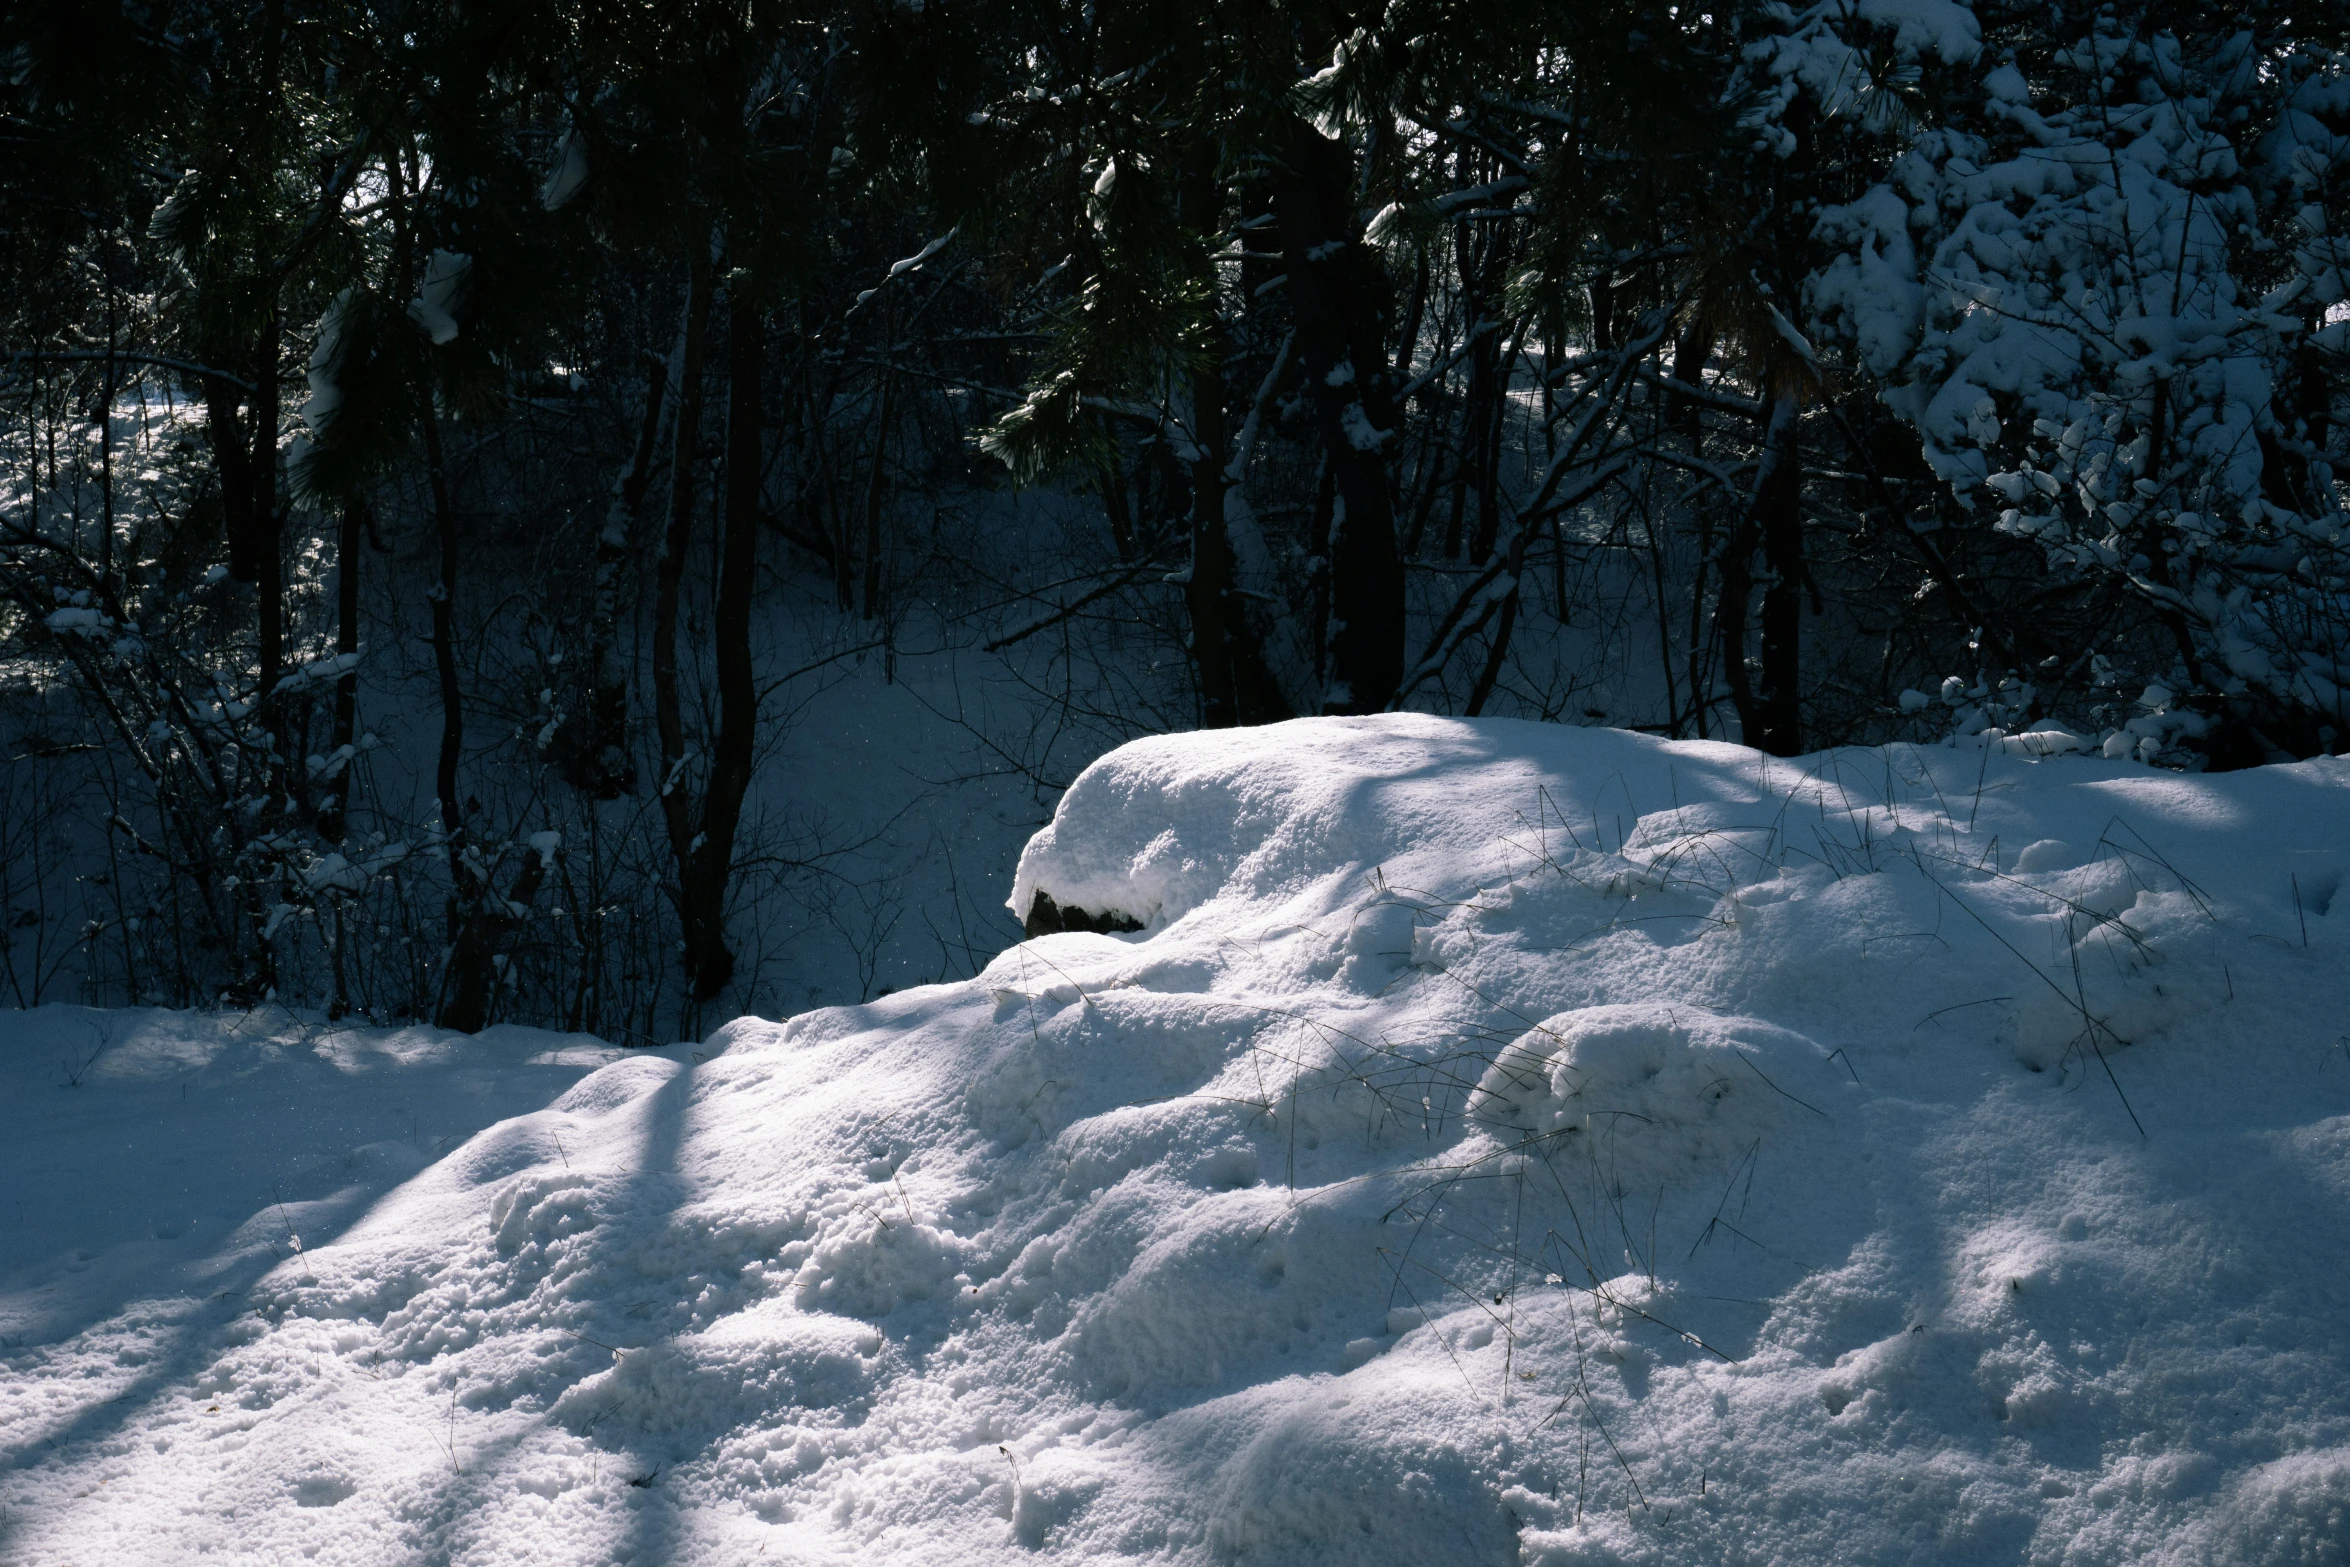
(473, 960)
(247, 462)
(444, 637)
(1431, 480)
(711, 962)
(1777, 521)
(840, 527)
(1208, 593)
(1407, 340)
(106, 455)
(265, 548)
(876, 496)
(334, 809)
(478, 919)
(1780, 523)
(1482, 446)
(1457, 460)
(2303, 406)
(232, 458)
(1690, 353)
(1110, 479)
(465, 986)
(1334, 290)
(1318, 549)
(598, 759)
(668, 714)
(1497, 653)
(1732, 602)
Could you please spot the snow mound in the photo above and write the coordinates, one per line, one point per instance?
(1498, 1143)
(1663, 1093)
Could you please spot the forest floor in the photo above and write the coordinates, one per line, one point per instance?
(1500, 1143)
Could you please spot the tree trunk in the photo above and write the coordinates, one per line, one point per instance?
(247, 462)
(711, 963)
(1110, 479)
(465, 984)
(1779, 697)
(1207, 595)
(598, 759)
(1481, 447)
(876, 495)
(334, 810)
(232, 457)
(839, 527)
(444, 636)
(1432, 478)
(106, 454)
(1318, 551)
(473, 959)
(1407, 341)
(668, 715)
(1207, 592)
(1690, 353)
(1603, 314)
(1334, 291)
(266, 547)
(1731, 605)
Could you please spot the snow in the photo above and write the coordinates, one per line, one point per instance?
(1502, 1143)
(326, 392)
(446, 274)
(569, 173)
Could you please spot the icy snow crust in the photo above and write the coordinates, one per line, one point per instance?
(1503, 1144)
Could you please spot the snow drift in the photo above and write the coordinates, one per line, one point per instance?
(1501, 1143)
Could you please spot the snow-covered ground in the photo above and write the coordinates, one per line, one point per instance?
(1502, 1144)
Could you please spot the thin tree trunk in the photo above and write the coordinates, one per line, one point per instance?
(600, 759)
(712, 964)
(1481, 446)
(1459, 461)
(1690, 353)
(1407, 342)
(247, 462)
(1778, 698)
(1432, 476)
(444, 639)
(1110, 479)
(1765, 709)
(106, 454)
(1700, 677)
(473, 959)
(1318, 550)
(268, 554)
(1207, 592)
(232, 458)
(876, 498)
(1730, 616)
(1334, 294)
(838, 526)
(1664, 620)
(465, 984)
(334, 809)
(1497, 653)
(1207, 595)
(668, 715)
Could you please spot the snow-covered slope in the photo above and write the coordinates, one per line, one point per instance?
(1502, 1144)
